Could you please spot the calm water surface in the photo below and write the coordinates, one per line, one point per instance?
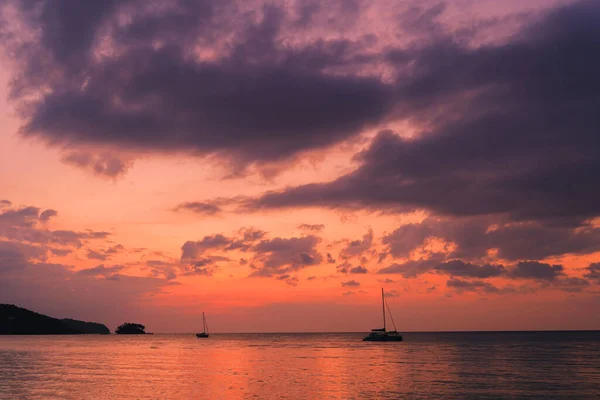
(556, 365)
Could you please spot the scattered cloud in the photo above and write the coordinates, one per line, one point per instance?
(359, 270)
(282, 255)
(107, 165)
(192, 250)
(26, 224)
(351, 283)
(290, 280)
(94, 255)
(471, 286)
(200, 208)
(101, 270)
(593, 272)
(536, 270)
(311, 227)
(47, 214)
(358, 247)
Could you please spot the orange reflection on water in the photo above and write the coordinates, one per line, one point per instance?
(301, 366)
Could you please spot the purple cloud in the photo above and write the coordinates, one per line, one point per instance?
(498, 139)
(261, 98)
(282, 255)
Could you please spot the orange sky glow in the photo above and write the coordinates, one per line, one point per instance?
(299, 236)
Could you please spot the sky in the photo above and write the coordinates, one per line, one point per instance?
(275, 164)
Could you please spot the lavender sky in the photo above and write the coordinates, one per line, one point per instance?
(275, 163)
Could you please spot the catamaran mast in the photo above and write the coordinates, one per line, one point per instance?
(383, 307)
(391, 316)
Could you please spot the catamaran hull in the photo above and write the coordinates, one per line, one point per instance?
(383, 339)
(201, 335)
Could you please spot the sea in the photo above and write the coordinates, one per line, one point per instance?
(474, 365)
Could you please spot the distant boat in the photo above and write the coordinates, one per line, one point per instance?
(204, 333)
(382, 334)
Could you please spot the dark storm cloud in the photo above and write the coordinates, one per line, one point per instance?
(257, 100)
(510, 129)
(68, 27)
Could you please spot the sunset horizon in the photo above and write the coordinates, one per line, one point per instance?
(275, 164)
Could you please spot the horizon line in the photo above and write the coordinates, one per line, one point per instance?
(339, 332)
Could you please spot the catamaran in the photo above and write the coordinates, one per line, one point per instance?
(204, 333)
(382, 334)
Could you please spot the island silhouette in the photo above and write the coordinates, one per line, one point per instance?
(130, 328)
(21, 321)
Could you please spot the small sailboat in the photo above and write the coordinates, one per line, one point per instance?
(204, 333)
(382, 334)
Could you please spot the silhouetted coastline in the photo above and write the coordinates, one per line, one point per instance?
(21, 321)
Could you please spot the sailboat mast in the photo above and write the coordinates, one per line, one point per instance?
(383, 308)
(203, 323)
